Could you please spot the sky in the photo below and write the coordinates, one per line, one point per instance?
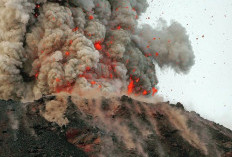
(207, 88)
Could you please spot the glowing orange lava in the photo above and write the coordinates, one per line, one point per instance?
(154, 90)
(75, 29)
(137, 80)
(57, 80)
(67, 53)
(36, 75)
(87, 68)
(98, 46)
(91, 17)
(130, 86)
(93, 82)
(144, 92)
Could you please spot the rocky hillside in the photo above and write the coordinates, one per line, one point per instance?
(115, 127)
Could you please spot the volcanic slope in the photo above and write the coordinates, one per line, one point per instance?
(68, 126)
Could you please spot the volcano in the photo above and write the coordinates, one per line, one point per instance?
(78, 78)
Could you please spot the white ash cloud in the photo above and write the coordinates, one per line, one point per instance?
(73, 45)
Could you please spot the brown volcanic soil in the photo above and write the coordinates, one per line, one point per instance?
(163, 129)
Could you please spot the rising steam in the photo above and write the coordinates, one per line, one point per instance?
(49, 46)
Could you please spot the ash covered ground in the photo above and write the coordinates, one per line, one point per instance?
(108, 127)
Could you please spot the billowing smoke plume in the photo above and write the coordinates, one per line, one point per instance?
(50, 46)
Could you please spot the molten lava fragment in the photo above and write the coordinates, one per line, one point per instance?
(154, 90)
(87, 68)
(91, 17)
(75, 29)
(130, 86)
(93, 82)
(119, 27)
(144, 92)
(67, 53)
(57, 80)
(36, 75)
(98, 46)
(137, 80)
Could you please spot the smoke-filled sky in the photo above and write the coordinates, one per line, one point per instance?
(207, 89)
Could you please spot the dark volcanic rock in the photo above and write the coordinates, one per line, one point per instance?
(162, 130)
(23, 132)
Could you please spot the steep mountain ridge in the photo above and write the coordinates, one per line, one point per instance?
(108, 127)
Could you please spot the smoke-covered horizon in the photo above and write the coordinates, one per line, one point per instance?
(50, 46)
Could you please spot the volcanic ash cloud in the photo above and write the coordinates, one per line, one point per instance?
(50, 46)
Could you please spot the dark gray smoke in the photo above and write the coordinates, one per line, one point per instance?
(70, 45)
